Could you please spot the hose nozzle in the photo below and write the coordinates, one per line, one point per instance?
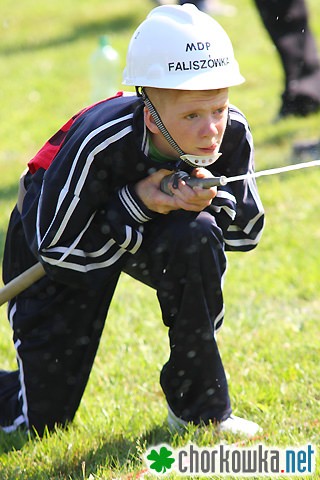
(191, 181)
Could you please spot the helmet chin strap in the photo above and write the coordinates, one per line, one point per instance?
(200, 160)
(192, 160)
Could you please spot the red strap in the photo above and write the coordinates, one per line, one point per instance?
(47, 153)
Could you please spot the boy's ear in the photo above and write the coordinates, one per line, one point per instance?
(149, 121)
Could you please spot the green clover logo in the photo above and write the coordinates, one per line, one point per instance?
(162, 460)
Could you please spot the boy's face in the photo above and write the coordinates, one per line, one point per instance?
(195, 119)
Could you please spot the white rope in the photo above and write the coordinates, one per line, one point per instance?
(273, 171)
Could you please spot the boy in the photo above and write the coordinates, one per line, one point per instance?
(94, 208)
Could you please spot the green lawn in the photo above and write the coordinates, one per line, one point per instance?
(270, 339)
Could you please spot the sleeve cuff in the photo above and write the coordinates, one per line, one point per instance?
(133, 205)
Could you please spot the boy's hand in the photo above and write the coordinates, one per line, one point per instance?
(184, 197)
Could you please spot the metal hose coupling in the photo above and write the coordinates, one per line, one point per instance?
(173, 179)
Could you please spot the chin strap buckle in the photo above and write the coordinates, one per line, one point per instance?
(200, 160)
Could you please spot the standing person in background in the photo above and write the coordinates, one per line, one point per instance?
(287, 23)
(212, 7)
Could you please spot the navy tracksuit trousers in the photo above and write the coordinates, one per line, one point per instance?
(57, 328)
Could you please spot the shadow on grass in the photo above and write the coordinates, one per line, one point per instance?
(12, 441)
(2, 243)
(119, 456)
(98, 27)
(8, 195)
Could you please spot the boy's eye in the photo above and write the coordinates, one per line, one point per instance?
(219, 111)
(191, 115)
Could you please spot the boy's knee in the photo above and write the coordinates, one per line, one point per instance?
(203, 230)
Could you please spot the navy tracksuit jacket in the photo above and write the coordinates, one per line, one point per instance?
(83, 220)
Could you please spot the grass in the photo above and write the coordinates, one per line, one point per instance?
(270, 339)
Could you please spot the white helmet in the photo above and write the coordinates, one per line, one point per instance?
(180, 47)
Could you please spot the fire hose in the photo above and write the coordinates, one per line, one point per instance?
(220, 181)
(37, 271)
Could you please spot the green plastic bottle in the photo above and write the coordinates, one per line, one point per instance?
(104, 71)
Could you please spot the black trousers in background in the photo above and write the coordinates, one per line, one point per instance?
(287, 24)
(57, 328)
